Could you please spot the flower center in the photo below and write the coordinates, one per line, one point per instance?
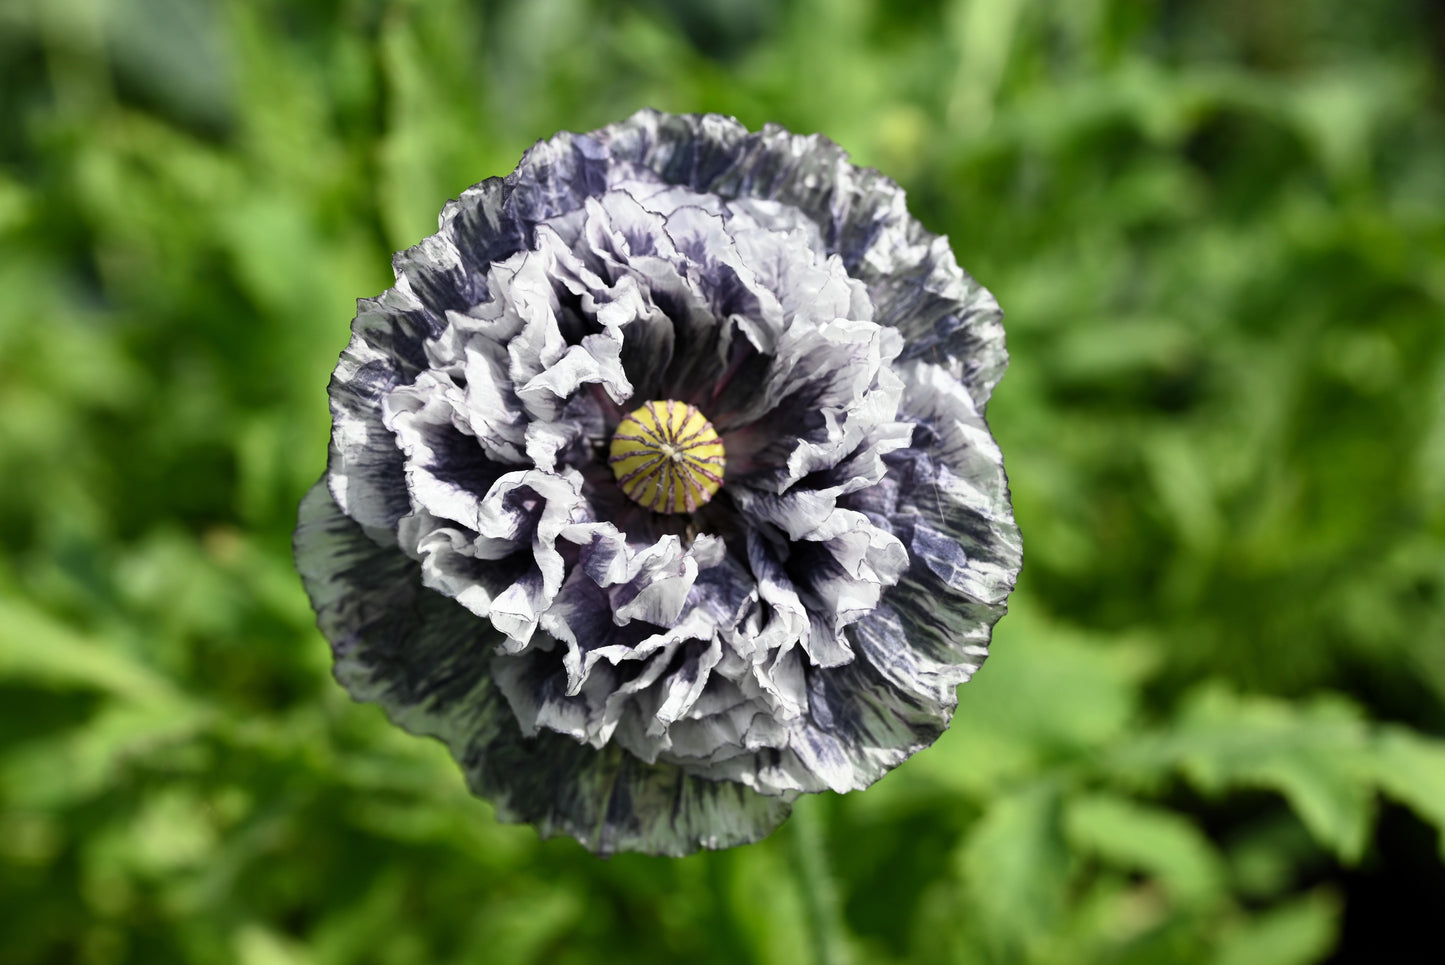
(667, 457)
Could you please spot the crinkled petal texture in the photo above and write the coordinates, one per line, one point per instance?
(667, 682)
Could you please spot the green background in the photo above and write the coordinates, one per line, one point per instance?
(1211, 728)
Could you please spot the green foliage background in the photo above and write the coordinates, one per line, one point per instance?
(1211, 728)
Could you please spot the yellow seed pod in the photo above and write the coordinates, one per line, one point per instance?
(667, 457)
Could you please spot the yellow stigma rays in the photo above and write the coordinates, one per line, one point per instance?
(667, 457)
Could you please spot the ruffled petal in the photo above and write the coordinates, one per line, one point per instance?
(428, 663)
(913, 280)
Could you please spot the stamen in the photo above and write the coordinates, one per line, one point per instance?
(667, 457)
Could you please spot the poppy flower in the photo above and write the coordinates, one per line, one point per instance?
(659, 484)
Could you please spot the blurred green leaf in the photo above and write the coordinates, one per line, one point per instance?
(1317, 755)
(259, 945)
(82, 764)
(1045, 693)
(1411, 769)
(1153, 840)
(36, 647)
(1015, 863)
(770, 911)
(1296, 934)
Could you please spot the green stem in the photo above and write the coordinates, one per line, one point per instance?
(815, 881)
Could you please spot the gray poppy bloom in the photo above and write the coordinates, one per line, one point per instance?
(659, 485)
